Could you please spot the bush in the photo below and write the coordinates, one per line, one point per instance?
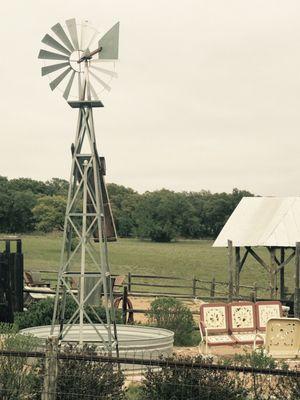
(88, 379)
(17, 380)
(260, 386)
(191, 383)
(41, 313)
(170, 313)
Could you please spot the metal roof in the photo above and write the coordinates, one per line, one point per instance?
(263, 221)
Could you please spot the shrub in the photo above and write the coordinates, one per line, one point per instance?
(17, 379)
(260, 386)
(82, 379)
(191, 383)
(41, 312)
(172, 314)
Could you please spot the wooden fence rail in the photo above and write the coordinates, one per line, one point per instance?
(181, 287)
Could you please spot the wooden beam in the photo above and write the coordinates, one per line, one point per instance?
(281, 282)
(259, 259)
(237, 270)
(297, 282)
(244, 259)
(285, 262)
(273, 289)
(230, 270)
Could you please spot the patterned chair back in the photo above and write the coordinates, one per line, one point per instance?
(266, 310)
(242, 316)
(283, 337)
(215, 317)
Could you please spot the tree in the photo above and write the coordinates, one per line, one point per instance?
(124, 202)
(20, 212)
(49, 213)
(161, 215)
(28, 184)
(57, 186)
(5, 207)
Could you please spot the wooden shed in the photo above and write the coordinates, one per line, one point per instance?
(270, 222)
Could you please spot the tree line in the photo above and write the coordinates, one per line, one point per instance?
(28, 205)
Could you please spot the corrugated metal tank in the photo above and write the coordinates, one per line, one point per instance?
(134, 341)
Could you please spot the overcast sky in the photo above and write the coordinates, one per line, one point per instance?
(208, 94)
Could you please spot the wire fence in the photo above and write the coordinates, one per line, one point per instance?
(75, 373)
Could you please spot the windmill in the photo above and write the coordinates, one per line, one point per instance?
(81, 74)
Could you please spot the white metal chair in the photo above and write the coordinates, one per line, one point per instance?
(283, 337)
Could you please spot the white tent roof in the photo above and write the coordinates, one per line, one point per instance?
(263, 221)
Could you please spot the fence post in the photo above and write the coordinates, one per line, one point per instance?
(194, 286)
(129, 282)
(297, 282)
(230, 270)
(253, 295)
(51, 369)
(213, 287)
(124, 305)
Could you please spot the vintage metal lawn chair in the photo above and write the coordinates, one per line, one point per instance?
(266, 310)
(214, 325)
(283, 337)
(242, 323)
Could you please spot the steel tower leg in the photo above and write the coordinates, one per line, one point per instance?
(81, 257)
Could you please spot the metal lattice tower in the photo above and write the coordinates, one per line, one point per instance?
(88, 220)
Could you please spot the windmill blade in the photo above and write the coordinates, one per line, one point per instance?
(60, 77)
(69, 86)
(48, 55)
(105, 71)
(58, 30)
(83, 36)
(72, 28)
(110, 44)
(105, 85)
(92, 39)
(52, 68)
(47, 39)
(93, 91)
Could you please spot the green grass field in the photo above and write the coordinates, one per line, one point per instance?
(186, 258)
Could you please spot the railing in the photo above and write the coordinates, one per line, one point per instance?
(80, 375)
(141, 285)
(155, 285)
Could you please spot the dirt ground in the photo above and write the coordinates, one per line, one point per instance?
(143, 303)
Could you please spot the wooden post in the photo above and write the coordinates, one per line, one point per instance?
(129, 282)
(237, 270)
(194, 287)
(19, 246)
(7, 246)
(213, 287)
(281, 272)
(124, 305)
(253, 296)
(51, 369)
(230, 270)
(297, 282)
(273, 273)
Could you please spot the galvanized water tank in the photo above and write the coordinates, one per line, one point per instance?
(134, 341)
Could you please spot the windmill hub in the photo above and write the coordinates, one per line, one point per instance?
(74, 57)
